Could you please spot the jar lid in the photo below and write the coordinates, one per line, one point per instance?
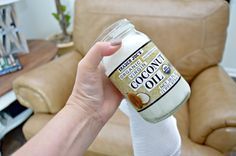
(115, 31)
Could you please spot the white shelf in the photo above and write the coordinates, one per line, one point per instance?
(7, 99)
(7, 123)
(10, 123)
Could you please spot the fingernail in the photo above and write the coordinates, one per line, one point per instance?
(115, 42)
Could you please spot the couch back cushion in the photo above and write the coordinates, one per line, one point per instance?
(190, 33)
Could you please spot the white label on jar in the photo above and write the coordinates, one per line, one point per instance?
(145, 76)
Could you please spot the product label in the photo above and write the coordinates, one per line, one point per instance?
(145, 76)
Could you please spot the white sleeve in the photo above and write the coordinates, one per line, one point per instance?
(159, 139)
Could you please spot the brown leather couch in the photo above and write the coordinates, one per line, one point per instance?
(191, 33)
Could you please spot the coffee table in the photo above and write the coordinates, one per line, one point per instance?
(41, 52)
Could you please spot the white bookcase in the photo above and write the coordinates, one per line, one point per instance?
(7, 122)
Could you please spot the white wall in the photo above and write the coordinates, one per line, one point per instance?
(229, 58)
(35, 19)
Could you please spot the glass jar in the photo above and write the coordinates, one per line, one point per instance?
(143, 74)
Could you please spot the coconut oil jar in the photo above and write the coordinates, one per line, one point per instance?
(143, 74)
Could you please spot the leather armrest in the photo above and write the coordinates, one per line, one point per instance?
(212, 105)
(223, 139)
(35, 123)
(47, 88)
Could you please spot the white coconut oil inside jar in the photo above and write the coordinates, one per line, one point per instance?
(143, 74)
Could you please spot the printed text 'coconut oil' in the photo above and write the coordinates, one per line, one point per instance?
(143, 74)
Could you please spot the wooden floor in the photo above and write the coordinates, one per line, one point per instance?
(12, 141)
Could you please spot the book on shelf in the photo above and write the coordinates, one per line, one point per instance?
(9, 64)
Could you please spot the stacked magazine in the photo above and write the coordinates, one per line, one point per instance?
(8, 64)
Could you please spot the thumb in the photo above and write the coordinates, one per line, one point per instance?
(94, 56)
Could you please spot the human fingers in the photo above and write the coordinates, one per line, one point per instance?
(98, 51)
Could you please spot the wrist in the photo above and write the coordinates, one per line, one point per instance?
(72, 129)
(82, 110)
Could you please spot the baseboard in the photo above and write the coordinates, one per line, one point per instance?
(230, 71)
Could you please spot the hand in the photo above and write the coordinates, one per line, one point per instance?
(93, 92)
